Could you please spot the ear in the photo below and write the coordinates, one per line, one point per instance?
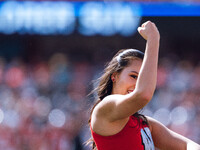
(114, 76)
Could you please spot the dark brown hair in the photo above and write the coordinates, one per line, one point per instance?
(121, 60)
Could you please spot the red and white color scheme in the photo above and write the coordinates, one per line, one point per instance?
(135, 135)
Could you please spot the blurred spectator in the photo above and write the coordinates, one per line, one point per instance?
(45, 106)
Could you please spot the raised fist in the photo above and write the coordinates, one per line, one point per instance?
(148, 30)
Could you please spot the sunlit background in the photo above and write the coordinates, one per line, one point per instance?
(52, 51)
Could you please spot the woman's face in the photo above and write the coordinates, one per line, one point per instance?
(125, 81)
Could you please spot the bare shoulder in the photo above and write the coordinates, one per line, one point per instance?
(151, 122)
(106, 108)
(156, 126)
(107, 102)
(100, 119)
(113, 112)
(165, 138)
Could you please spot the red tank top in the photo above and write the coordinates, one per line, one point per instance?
(134, 136)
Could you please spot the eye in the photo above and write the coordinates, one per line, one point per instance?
(134, 76)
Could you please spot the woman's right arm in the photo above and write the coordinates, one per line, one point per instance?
(117, 107)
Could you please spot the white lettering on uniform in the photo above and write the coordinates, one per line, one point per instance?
(147, 140)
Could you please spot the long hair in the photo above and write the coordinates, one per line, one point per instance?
(121, 60)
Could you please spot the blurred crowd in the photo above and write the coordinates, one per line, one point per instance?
(46, 106)
(43, 106)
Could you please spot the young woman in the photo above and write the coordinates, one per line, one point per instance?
(127, 85)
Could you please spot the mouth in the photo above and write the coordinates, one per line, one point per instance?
(129, 91)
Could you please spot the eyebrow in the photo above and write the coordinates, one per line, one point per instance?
(134, 72)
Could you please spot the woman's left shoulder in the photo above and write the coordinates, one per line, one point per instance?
(156, 126)
(151, 122)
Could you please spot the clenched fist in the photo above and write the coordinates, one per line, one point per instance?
(148, 31)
